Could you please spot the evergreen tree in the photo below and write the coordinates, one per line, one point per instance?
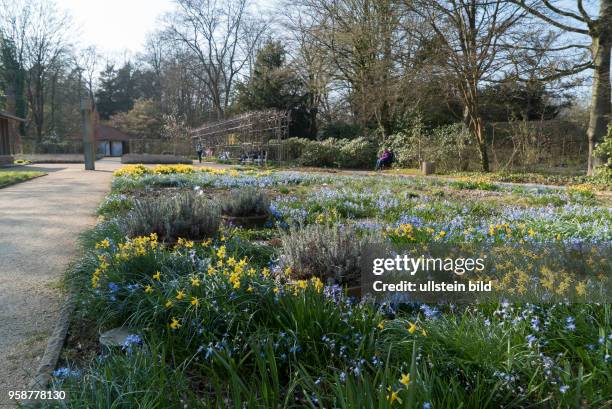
(105, 96)
(273, 84)
(117, 90)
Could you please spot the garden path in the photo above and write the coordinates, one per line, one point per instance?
(40, 222)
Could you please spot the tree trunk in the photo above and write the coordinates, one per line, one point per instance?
(464, 161)
(471, 112)
(482, 144)
(600, 94)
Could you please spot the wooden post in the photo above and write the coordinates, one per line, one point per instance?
(427, 168)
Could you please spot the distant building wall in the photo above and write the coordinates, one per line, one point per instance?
(182, 147)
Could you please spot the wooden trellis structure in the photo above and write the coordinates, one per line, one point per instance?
(260, 131)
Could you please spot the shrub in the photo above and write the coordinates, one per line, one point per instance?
(449, 146)
(321, 153)
(604, 150)
(359, 153)
(331, 253)
(187, 216)
(294, 147)
(246, 202)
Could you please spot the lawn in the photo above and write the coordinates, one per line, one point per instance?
(260, 317)
(9, 177)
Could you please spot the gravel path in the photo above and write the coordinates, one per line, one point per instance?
(40, 221)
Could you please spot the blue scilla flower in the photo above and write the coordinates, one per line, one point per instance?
(430, 312)
(113, 287)
(65, 372)
(130, 341)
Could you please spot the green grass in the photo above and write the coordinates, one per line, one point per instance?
(10, 177)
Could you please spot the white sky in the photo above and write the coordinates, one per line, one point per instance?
(115, 25)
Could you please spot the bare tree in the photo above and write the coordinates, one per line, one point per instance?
(470, 33)
(40, 32)
(309, 62)
(599, 31)
(222, 36)
(87, 63)
(360, 42)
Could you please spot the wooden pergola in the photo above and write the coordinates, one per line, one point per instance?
(8, 136)
(260, 131)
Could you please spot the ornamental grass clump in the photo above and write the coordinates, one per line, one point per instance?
(331, 253)
(187, 216)
(246, 203)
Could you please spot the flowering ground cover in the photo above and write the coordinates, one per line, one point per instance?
(233, 320)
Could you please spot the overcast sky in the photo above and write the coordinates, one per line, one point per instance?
(115, 25)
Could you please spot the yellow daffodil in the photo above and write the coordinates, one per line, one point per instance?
(393, 396)
(148, 289)
(381, 325)
(195, 282)
(231, 261)
(405, 379)
(221, 252)
(412, 327)
(180, 295)
(169, 304)
(157, 276)
(250, 289)
(175, 324)
(581, 288)
(195, 302)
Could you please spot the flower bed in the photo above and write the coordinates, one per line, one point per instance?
(226, 322)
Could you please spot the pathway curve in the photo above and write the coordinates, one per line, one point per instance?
(40, 222)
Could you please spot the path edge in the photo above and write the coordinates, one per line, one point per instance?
(55, 344)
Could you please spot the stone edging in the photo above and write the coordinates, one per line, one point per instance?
(52, 351)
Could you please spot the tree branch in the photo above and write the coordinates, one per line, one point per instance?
(563, 12)
(583, 13)
(549, 20)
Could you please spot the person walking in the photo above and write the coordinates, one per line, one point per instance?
(199, 151)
